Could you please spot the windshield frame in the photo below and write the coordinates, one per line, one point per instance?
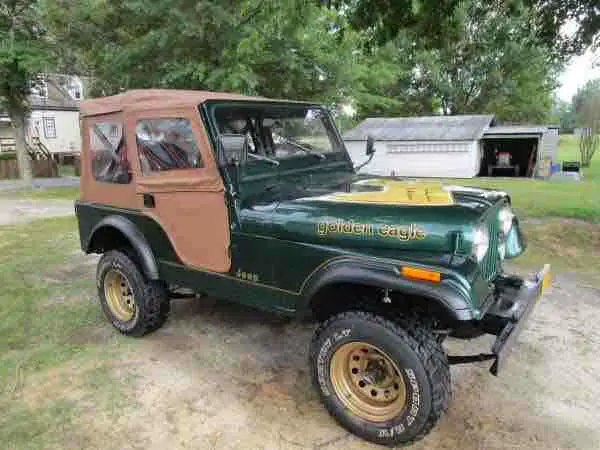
(338, 150)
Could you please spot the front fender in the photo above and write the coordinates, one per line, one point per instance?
(450, 295)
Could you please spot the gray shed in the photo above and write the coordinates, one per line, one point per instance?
(461, 146)
(529, 146)
(436, 146)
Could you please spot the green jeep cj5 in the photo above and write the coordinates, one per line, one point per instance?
(257, 201)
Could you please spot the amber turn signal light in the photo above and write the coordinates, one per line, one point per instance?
(421, 274)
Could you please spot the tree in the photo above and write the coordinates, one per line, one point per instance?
(587, 107)
(384, 57)
(487, 61)
(293, 49)
(563, 113)
(386, 18)
(478, 56)
(551, 16)
(22, 55)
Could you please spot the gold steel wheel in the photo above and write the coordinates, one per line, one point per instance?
(119, 295)
(368, 382)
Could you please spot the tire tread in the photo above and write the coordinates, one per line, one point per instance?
(156, 306)
(419, 336)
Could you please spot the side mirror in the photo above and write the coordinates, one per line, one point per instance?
(370, 151)
(370, 145)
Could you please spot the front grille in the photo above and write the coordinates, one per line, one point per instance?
(491, 261)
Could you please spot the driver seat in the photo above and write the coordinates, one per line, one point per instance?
(267, 138)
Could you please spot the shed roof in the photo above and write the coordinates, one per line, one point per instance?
(140, 99)
(511, 130)
(429, 128)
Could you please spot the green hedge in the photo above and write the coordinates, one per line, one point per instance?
(8, 155)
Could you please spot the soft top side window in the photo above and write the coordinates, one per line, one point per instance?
(108, 153)
(167, 144)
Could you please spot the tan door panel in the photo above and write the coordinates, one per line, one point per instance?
(189, 203)
(197, 225)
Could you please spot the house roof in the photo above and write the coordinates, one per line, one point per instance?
(142, 99)
(430, 128)
(516, 130)
(57, 97)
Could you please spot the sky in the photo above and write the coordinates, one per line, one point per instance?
(579, 70)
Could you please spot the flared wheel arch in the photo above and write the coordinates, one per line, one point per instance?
(320, 296)
(117, 232)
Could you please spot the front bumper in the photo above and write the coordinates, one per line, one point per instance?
(506, 318)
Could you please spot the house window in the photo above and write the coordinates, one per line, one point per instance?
(167, 144)
(49, 128)
(108, 153)
(39, 87)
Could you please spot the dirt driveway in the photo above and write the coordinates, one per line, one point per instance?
(220, 376)
(14, 211)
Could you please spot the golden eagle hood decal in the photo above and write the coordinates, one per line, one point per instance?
(393, 192)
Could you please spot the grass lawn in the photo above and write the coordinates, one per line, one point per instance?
(569, 245)
(560, 218)
(55, 350)
(542, 198)
(58, 193)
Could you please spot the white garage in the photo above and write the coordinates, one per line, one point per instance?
(437, 146)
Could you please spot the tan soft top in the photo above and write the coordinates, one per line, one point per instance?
(141, 99)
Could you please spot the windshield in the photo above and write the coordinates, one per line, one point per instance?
(279, 131)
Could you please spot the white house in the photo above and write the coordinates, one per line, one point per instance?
(462, 146)
(54, 119)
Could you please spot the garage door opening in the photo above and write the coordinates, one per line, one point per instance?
(509, 157)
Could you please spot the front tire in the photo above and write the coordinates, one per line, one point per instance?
(134, 305)
(385, 381)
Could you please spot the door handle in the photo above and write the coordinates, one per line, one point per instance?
(149, 201)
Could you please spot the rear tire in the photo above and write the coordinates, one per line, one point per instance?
(134, 305)
(385, 381)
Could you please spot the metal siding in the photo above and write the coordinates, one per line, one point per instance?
(549, 144)
(448, 159)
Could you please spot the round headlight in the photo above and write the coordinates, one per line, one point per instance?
(505, 217)
(481, 243)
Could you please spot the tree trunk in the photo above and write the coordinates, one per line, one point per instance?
(23, 159)
(587, 147)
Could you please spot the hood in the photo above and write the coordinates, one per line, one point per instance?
(376, 213)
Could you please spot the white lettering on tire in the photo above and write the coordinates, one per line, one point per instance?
(341, 334)
(321, 363)
(416, 399)
(412, 412)
(322, 358)
(392, 431)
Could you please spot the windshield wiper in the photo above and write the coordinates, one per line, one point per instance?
(303, 148)
(263, 158)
